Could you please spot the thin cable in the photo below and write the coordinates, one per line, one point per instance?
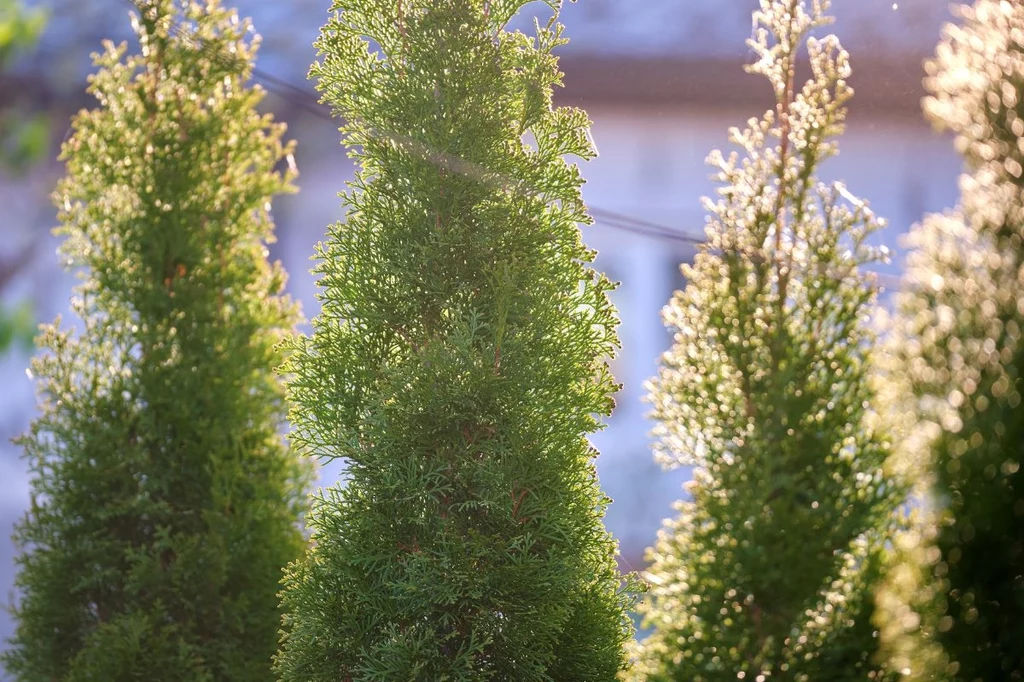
(311, 103)
(644, 228)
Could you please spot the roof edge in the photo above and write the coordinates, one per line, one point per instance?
(888, 88)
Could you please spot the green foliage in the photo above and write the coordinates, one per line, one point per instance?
(766, 390)
(23, 138)
(458, 365)
(19, 28)
(954, 605)
(164, 502)
(16, 326)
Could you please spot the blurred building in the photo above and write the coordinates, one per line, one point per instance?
(662, 80)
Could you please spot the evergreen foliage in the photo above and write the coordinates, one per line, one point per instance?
(766, 572)
(23, 138)
(164, 503)
(954, 604)
(458, 366)
(23, 141)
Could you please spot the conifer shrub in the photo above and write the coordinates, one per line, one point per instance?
(766, 391)
(953, 607)
(458, 365)
(164, 501)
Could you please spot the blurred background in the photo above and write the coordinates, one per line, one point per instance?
(662, 81)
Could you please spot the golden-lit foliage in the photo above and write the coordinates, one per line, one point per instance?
(766, 390)
(953, 606)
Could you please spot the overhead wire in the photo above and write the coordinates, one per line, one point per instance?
(604, 217)
(308, 101)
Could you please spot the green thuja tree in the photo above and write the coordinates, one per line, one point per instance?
(954, 603)
(766, 390)
(458, 365)
(164, 502)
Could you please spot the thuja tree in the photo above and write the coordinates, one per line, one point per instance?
(164, 502)
(955, 602)
(457, 365)
(766, 391)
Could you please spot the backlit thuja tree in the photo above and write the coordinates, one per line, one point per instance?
(766, 572)
(164, 501)
(458, 366)
(954, 604)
